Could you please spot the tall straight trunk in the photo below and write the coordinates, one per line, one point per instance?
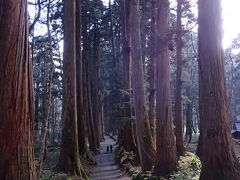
(152, 95)
(16, 93)
(144, 137)
(82, 144)
(92, 139)
(219, 160)
(189, 116)
(143, 31)
(113, 39)
(178, 105)
(166, 159)
(127, 133)
(36, 122)
(47, 97)
(54, 109)
(95, 86)
(69, 160)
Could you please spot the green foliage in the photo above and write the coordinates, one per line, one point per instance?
(189, 168)
(49, 176)
(127, 157)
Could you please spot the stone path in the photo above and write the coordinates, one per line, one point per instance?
(107, 168)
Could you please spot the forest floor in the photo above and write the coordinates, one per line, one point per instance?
(107, 168)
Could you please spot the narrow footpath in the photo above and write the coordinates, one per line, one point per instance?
(107, 168)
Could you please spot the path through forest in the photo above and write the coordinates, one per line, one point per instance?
(107, 168)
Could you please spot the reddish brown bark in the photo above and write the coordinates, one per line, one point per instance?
(144, 137)
(82, 144)
(219, 159)
(16, 93)
(166, 159)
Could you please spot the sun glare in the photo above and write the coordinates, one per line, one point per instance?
(231, 16)
(231, 24)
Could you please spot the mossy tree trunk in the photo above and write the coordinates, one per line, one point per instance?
(144, 137)
(219, 160)
(166, 159)
(16, 93)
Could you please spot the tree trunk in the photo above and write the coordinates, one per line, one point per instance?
(95, 86)
(219, 159)
(178, 105)
(69, 160)
(92, 139)
(152, 95)
(144, 137)
(166, 159)
(16, 93)
(82, 144)
(189, 116)
(126, 133)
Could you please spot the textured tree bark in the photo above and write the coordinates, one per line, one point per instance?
(126, 134)
(95, 86)
(144, 137)
(178, 105)
(16, 93)
(219, 159)
(166, 159)
(152, 70)
(82, 144)
(69, 160)
(88, 101)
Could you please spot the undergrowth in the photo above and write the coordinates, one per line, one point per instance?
(189, 167)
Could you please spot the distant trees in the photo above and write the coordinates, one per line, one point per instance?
(219, 159)
(16, 93)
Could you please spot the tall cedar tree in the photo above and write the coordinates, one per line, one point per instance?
(152, 70)
(144, 137)
(69, 160)
(219, 159)
(178, 106)
(92, 138)
(16, 93)
(126, 137)
(83, 148)
(166, 159)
